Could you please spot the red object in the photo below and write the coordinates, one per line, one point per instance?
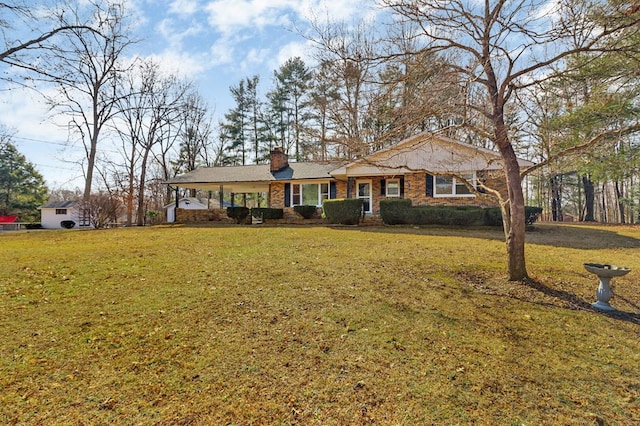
(8, 219)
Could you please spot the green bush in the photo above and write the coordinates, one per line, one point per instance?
(240, 214)
(307, 212)
(493, 215)
(67, 224)
(265, 213)
(395, 211)
(344, 211)
(446, 215)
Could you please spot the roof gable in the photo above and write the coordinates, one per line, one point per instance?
(425, 152)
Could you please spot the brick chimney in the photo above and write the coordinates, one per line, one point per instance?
(279, 160)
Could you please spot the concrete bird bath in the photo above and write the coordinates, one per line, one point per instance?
(605, 273)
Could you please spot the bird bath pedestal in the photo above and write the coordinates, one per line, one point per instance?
(605, 273)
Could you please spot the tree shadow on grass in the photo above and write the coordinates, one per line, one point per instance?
(583, 237)
(572, 301)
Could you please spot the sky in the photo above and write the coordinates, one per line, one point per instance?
(214, 43)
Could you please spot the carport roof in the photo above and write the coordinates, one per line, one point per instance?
(252, 178)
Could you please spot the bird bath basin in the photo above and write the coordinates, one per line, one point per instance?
(605, 273)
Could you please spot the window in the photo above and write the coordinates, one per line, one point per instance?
(393, 188)
(449, 186)
(309, 194)
(61, 211)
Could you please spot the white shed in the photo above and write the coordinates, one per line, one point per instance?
(188, 203)
(54, 213)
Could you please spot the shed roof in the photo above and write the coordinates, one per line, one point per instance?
(58, 205)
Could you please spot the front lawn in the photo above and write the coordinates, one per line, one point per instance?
(315, 325)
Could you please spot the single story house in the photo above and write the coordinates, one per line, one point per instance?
(426, 168)
(54, 213)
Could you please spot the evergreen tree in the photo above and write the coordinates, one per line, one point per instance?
(22, 188)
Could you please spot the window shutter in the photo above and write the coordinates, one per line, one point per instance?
(429, 185)
(333, 192)
(401, 187)
(480, 179)
(383, 187)
(287, 195)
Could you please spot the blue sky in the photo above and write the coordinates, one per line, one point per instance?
(215, 43)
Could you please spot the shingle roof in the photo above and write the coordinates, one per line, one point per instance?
(256, 173)
(58, 205)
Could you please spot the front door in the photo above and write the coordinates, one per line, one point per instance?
(364, 193)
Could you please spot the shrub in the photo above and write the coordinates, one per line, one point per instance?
(265, 213)
(33, 226)
(344, 211)
(531, 214)
(395, 212)
(307, 212)
(446, 215)
(67, 224)
(240, 214)
(493, 215)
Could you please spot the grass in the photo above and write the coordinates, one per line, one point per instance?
(314, 325)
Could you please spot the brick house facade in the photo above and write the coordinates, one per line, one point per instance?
(427, 169)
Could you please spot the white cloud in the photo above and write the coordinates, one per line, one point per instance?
(301, 49)
(180, 63)
(183, 7)
(230, 16)
(175, 33)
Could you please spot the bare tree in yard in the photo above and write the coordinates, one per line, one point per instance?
(504, 47)
(149, 104)
(26, 32)
(87, 71)
(345, 57)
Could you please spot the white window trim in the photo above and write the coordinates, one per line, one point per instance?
(312, 182)
(386, 189)
(453, 188)
(370, 198)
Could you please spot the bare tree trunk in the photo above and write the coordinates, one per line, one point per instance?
(556, 199)
(619, 199)
(589, 199)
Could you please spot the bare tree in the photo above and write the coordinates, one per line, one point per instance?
(24, 35)
(148, 106)
(503, 47)
(87, 71)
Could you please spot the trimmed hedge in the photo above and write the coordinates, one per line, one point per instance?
(343, 211)
(445, 215)
(265, 213)
(307, 212)
(400, 212)
(67, 224)
(395, 212)
(240, 214)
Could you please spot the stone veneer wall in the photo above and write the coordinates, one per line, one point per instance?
(199, 216)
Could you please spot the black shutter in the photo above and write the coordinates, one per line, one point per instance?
(333, 191)
(287, 195)
(480, 180)
(383, 187)
(402, 187)
(429, 185)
